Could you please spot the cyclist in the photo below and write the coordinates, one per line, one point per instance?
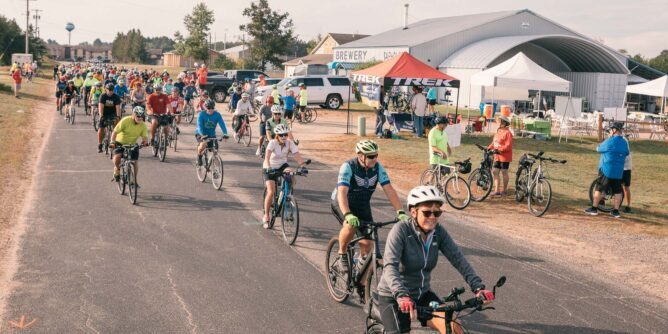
(411, 253)
(275, 163)
(95, 93)
(201, 105)
(60, 87)
(503, 143)
(351, 199)
(138, 95)
(244, 108)
(69, 93)
(126, 132)
(275, 94)
(189, 91)
(439, 149)
(234, 99)
(274, 121)
(78, 83)
(611, 168)
(176, 101)
(88, 86)
(206, 127)
(265, 115)
(122, 91)
(180, 84)
(289, 103)
(109, 108)
(159, 109)
(303, 100)
(169, 85)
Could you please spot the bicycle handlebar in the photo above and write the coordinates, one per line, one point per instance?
(485, 149)
(452, 303)
(378, 224)
(539, 156)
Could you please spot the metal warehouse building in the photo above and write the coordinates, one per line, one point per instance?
(464, 45)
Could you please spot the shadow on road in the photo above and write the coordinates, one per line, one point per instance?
(485, 253)
(497, 327)
(181, 202)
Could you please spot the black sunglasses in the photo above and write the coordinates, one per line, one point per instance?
(283, 135)
(372, 156)
(428, 214)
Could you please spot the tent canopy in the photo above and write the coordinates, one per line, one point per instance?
(404, 70)
(656, 87)
(520, 73)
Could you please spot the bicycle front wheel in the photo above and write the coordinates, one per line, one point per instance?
(121, 183)
(607, 201)
(72, 112)
(190, 114)
(96, 120)
(457, 192)
(372, 279)
(290, 220)
(132, 183)
(480, 183)
(162, 146)
(217, 172)
(521, 188)
(247, 135)
(428, 178)
(203, 169)
(337, 282)
(540, 197)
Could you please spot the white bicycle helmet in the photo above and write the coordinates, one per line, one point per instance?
(366, 147)
(422, 194)
(281, 129)
(276, 109)
(245, 95)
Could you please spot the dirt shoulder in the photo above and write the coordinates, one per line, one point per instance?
(616, 251)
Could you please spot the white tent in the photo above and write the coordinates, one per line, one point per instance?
(520, 72)
(656, 87)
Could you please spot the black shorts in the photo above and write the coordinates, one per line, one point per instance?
(273, 176)
(302, 108)
(501, 165)
(133, 154)
(604, 183)
(163, 120)
(59, 94)
(209, 143)
(289, 114)
(396, 321)
(626, 178)
(106, 119)
(361, 211)
(432, 102)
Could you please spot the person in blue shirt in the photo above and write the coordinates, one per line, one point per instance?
(180, 85)
(431, 99)
(611, 169)
(289, 103)
(189, 91)
(234, 99)
(121, 89)
(206, 128)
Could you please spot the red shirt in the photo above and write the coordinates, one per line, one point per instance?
(503, 141)
(202, 75)
(17, 76)
(158, 103)
(176, 102)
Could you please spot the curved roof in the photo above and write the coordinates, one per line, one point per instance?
(579, 54)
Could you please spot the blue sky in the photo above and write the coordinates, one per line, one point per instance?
(639, 26)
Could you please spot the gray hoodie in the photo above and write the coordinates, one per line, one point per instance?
(408, 263)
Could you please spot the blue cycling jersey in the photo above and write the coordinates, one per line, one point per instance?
(361, 181)
(121, 90)
(206, 124)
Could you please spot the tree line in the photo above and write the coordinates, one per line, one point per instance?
(12, 40)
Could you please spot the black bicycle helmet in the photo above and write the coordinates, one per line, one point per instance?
(210, 104)
(109, 86)
(442, 120)
(465, 167)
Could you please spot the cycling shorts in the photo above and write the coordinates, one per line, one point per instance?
(396, 321)
(106, 119)
(289, 114)
(501, 165)
(263, 128)
(266, 176)
(163, 120)
(209, 144)
(133, 154)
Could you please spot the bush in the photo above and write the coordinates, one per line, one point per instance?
(6, 88)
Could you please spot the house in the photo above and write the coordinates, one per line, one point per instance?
(172, 59)
(235, 53)
(78, 52)
(321, 56)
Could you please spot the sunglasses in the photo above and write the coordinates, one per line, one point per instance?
(283, 135)
(372, 156)
(427, 214)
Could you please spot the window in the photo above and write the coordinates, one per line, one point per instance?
(339, 81)
(313, 82)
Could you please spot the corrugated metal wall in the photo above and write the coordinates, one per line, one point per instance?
(602, 90)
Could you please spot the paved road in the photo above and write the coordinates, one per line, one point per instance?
(189, 259)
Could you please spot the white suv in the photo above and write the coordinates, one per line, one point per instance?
(329, 91)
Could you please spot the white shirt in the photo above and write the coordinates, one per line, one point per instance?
(419, 104)
(279, 155)
(243, 108)
(628, 164)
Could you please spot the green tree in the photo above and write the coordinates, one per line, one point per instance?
(367, 64)
(12, 40)
(223, 62)
(130, 47)
(660, 62)
(271, 33)
(198, 25)
(163, 42)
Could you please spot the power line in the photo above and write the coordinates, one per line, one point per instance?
(37, 17)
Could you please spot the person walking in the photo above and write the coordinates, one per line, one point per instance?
(419, 106)
(503, 143)
(16, 75)
(380, 113)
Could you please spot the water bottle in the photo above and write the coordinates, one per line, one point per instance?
(355, 263)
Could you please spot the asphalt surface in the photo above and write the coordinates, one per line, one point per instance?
(190, 259)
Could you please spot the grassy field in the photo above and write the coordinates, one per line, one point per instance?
(570, 182)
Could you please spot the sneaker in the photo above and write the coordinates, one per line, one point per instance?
(265, 225)
(592, 211)
(627, 209)
(343, 264)
(257, 153)
(615, 213)
(178, 131)
(99, 148)
(117, 178)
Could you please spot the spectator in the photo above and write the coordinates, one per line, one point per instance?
(614, 151)
(431, 99)
(503, 143)
(626, 179)
(419, 106)
(16, 75)
(380, 113)
(202, 76)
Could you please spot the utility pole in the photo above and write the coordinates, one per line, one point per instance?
(28, 22)
(37, 17)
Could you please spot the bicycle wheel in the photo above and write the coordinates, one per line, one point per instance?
(121, 182)
(306, 118)
(607, 201)
(428, 178)
(203, 169)
(314, 115)
(217, 172)
(247, 135)
(337, 283)
(290, 220)
(96, 120)
(190, 115)
(372, 279)
(175, 138)
(162, 145)
(540, 197)
(132, 183)
(72, 113)
(457, 192)
(521, 184)
(105, 145)
(480, 183)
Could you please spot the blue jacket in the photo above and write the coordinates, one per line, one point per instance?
(206, 124)
(613, 153)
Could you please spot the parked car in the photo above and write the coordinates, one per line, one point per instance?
(241, 75)
(219, 82)
(268, 82)
(328, 91)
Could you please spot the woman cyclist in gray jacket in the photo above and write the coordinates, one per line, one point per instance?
(411, 253)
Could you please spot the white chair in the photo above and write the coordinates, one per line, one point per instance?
(658, 130)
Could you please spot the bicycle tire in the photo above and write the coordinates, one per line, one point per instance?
(428, 178)
(202, 170)
(460, 187)
(252, 117)
(373, 279)
(273, 210)
(376, 328)
(521, 188)
(175, 138)
(332, 275)
(290, 225)
(71, 118)
(248, 135)
(132, 183)
(607, 197)
(263, 149)
(314, 115)
(190, 114)
(162, 146)
(96, 121)
(480, 182)
(121, 182)
(540, 186)
(217, 172)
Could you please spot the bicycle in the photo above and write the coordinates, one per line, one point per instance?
(450, 306)
(364, 275)
(188, 112)
(211, 162)
(129, 173)
(160, 145)
(403, 103)
(244, 131)
(71, 112)
(481, 180)
(109, 128)
(533, 184)
(96, 116)
(285, 206)
(606, 196)
(454, 188)
(173, 133)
